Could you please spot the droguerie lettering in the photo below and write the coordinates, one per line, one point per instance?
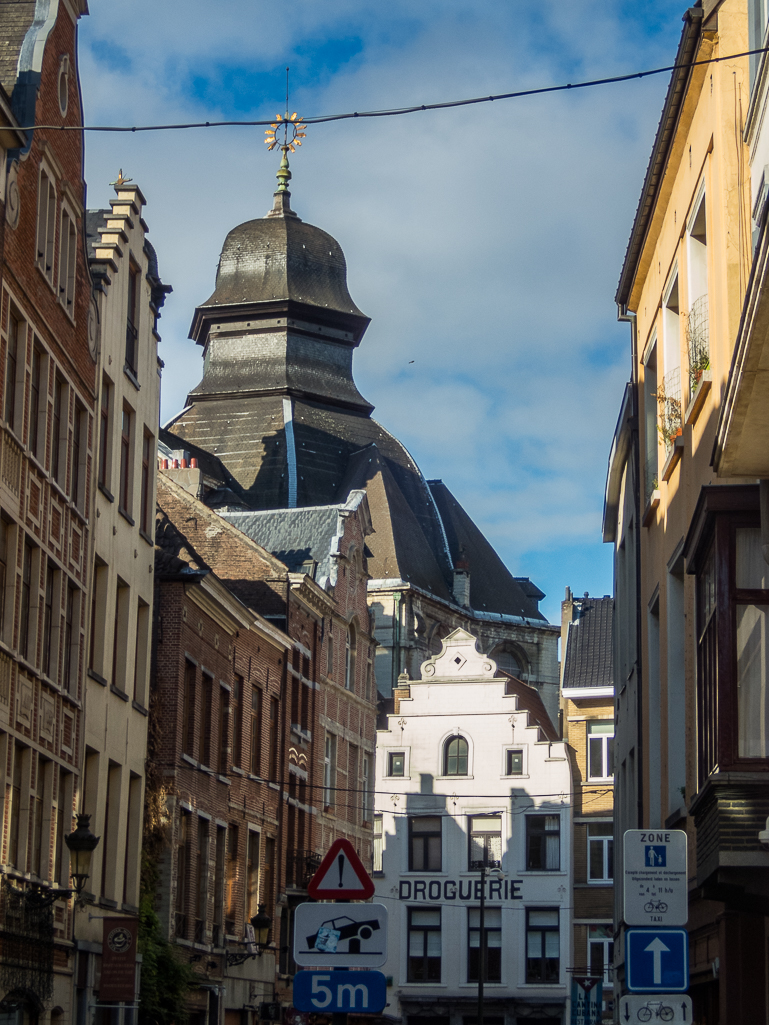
(464, 890)
(655, 837)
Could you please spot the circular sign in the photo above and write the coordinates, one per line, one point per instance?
(120, 939)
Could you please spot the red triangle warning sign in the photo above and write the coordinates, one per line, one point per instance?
(341, 875)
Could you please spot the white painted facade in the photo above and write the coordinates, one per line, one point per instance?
(514, 791)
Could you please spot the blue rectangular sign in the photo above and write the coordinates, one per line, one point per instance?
(657, 960)
(335, 992)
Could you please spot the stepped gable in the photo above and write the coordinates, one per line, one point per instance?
(493, 588)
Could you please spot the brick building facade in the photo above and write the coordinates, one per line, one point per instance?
(317, 705)
(47, 383)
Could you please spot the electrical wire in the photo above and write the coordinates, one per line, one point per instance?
(397, 111)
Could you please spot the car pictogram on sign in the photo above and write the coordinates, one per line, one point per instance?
(335, 930)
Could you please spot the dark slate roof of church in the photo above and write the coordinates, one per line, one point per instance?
(267, 368)
(589, 650)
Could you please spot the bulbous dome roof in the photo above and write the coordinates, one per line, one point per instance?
(280, 257)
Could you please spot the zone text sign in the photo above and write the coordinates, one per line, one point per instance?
(340, 935)
(655, 888)
(675, 1007)
(339, 992)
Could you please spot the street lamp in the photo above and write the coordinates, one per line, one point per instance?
(260, 926)
(81, 844)
(481, 866)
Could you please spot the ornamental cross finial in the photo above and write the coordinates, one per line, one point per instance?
(294, 130)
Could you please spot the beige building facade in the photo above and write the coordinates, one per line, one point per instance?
(129, 296)
(688, 578)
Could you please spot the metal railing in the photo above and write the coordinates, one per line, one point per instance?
(698, 340)
(669, 417)
(301, 866)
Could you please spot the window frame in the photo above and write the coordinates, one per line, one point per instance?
(67, 260)
(606, 745)
(542, 980)
(506, 755)
(133, 315)
(417, 835)
(127, 433)
(721, 511)
(531, 833)
(45, 234)
(459, 739)
(473, 832)
(425, 956)
(391, 756)
(604, 841)
(472, 970)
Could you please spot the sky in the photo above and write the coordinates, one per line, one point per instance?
(485, 242)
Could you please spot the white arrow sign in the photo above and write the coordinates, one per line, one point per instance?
(657, 947)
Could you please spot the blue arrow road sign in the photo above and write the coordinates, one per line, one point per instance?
(336, 992)
(657, 960)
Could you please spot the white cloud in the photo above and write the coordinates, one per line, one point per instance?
(485, 242)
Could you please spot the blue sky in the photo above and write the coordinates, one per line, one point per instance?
(485, 242)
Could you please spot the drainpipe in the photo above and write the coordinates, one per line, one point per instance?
(396, 656)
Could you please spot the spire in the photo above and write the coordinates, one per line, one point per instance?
(294, 127)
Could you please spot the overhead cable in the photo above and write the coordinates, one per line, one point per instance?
(396, 111)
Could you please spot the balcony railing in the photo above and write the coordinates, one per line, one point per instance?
(669, 419)
(698, 341)
(301, 866)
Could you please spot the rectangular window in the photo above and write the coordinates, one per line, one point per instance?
(492, 944)
(396, 763)
(543, 945)
(141, 654)
(368, 807)
(124, 501)
(252, 875)
(7, 576)
(600, 939)
(200, 892)
(46, 224)
(329, 771)
(35, 385)
(237, 721)
(58, 432)
(224, 731)
(120, 636)
(353, 782)
(219, 894)
(132, 320)
(17, 842)
(50, 582)
(63, 827)
(256, 731)
(424, 953)
(105, 435)
(26, 625)
(131, 861)
(79, 433)
(15, 336)
(651, 433)
(232, 880)
(145, 520)
(514, 762)
(485, 834)
(425, 843)
(543, 843)
(183, 867)
(188, 710)
(206, 701)
(268, 874)
(71, 653)
(41, 841)
(600, 749)
(600, 843)
(378, 843)
(67, 261)
(99, 615)
(274, 737)
(329, 649)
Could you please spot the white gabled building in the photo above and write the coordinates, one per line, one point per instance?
(471, 763)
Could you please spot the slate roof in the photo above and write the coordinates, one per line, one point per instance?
(282, 257)
(278, 402)
(16, 16)
(295, 535)
(589, 650)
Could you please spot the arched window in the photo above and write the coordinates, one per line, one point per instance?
(351, 644)
(510, 660)
(455, 757)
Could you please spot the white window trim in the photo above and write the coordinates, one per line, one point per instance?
(524, 773)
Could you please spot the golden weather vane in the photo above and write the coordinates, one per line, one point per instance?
(294, 130)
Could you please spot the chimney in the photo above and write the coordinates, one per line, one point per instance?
(401, 692)
(461, 588)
